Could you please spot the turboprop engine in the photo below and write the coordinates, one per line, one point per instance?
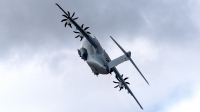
(83, 53)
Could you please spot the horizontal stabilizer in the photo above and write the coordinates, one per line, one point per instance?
(128, 55)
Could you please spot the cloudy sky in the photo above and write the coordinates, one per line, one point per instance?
(40, 70)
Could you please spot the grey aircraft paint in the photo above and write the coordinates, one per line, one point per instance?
(96, 57)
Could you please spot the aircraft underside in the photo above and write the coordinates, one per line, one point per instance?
(96, 57)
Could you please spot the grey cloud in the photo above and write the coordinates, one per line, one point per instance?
(36, 23)
(32, 31)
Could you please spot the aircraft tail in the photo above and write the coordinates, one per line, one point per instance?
(118, 61)
(128, 55)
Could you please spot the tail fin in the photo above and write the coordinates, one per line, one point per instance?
(128, 54)
(117, 61)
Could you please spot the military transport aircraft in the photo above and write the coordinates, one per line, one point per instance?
(96, 57)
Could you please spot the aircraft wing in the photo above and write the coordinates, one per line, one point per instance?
(126, 86)
(81, 30)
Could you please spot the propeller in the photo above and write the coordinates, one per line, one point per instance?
(80, 34)
(68, 22)
(120, 85)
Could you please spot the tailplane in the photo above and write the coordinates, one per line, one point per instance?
(128, 56)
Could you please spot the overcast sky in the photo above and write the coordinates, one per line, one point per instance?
(41, 71)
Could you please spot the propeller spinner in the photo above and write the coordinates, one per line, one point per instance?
(120, 85)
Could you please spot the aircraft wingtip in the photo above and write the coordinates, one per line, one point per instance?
(141, 107)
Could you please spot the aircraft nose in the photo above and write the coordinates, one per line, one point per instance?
(95, 61)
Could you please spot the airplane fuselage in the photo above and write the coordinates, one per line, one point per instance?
(97, 59)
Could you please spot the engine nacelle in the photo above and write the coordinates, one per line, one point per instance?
(83, 53)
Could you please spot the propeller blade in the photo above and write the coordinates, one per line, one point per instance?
(115, 82)
(65, 24)
(75, 18)
(64, 20)
(120, 88)
(117, 78)
(88, 32)
(125, 78)
(68, 13)
(76, 32)
(73, 14)
(70, 25)
(81, 38)
(138, 70)
(82, 25)
(86, 28)
(65, 16)
(77, 36)
(127, 83)
(116, 86)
